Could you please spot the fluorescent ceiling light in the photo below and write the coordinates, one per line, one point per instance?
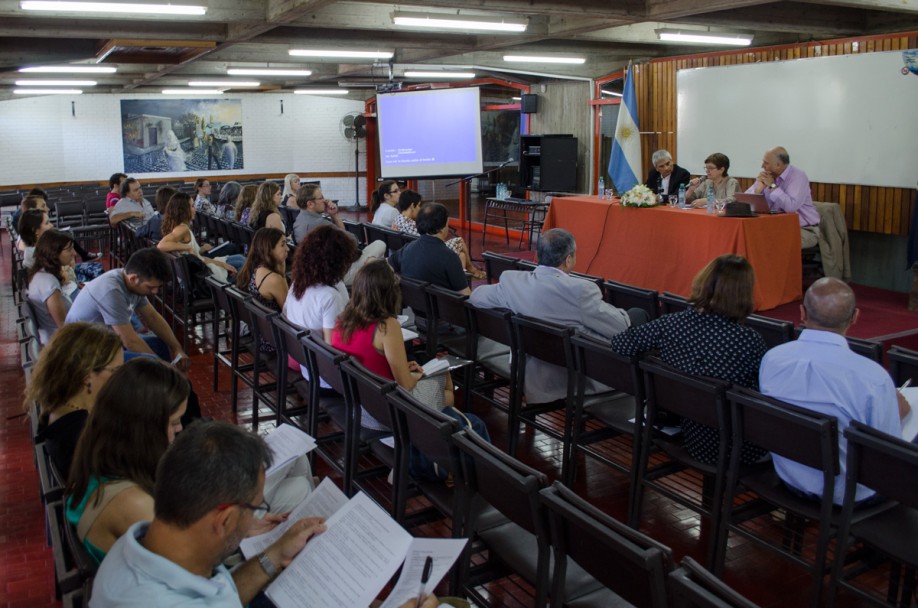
(321, 91)
(69, 69)
(460, 22)
(613, 93)
(112, 7)
(266, 72)
(517, 98)
(55, 83)
(540, 59)
(47, 91)
(223, 83)
(192, 91)
(416, 74)
(341, 53)
(705, 37)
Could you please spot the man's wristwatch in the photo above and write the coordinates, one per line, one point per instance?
(266, 564)
(772, 186)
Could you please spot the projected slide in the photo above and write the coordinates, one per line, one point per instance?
(430, 133)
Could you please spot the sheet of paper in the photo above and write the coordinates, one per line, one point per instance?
(408, 335)
(910, 422)
(444, 552)
(324, 502)
(287, 443)
(346, 565)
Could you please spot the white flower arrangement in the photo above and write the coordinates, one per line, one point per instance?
(639, 196)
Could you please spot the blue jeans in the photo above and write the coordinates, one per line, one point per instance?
(420, 467)
(158, 347)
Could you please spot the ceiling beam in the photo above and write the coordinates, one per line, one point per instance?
(804, 19)
(896, 6)
(669, 10)
(82, 28)
(626, 9)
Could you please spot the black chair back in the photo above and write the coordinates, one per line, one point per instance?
(691, 586)
(903, 365)
(882, 463)
(496, 264)
(701, 399)
(357, 229)
(326, 359)
(631, 564)
(773, 331)
(670, 302)
(626, 296)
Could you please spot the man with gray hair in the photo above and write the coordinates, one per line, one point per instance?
(819, 372)
(787, 190)
(666, 176)
(550, 293)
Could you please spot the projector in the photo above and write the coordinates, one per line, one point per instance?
(389, 87)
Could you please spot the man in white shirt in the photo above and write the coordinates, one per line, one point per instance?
(131, 205)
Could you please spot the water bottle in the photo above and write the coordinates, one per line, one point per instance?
(602, 187)
(681, 196)
(711, 198)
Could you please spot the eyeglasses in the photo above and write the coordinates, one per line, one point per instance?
(396, 191)
(710, 168)
(259, 511)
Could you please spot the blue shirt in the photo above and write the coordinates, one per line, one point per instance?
(819, 372)
(130, 575)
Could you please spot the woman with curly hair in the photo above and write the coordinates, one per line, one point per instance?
(243, 205)
(264, 210)
(178, 237)
(263, 273)
(136, 416)
(69, 374)
(48, 278)
(318, 295)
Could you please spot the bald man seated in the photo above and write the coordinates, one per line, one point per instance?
(787, 190)
(819, 372)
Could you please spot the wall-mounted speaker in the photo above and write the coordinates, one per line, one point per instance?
(529, 103)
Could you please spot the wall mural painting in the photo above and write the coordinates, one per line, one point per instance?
(178, 135)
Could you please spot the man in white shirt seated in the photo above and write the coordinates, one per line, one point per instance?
(132, 204)
(819, 372)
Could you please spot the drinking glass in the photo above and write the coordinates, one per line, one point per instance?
(673, 200)
(719, 205)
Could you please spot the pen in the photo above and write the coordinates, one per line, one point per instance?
(906, 384)
(428, 567)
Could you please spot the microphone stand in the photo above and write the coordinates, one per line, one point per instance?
(467, 201)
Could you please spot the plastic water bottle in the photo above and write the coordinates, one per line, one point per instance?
(681, 196)
(602, 187)
(711, 198)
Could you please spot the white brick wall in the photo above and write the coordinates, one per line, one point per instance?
(41, 141)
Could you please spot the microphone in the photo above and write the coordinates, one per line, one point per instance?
(507, 162)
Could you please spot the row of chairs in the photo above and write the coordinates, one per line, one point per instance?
(624, 296)
(513, 501)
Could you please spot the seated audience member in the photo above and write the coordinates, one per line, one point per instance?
(243, 206)
(202, 190)
(209, 487)
(428, 259)
(264, 273)
(112, 298)
(787, 190)
(114, 187)
(226, 202)
(32, 224)
(666, 176)
(368, 330)
(550, 293)
(291, 185)
(49, 277)
(318, 295)
(152, 228)
(178, 237)
(707, 339)
(819, 372)
(316, 210)
(70, 372)
(38, 199)
(409, 206)
(28, 203)
(385, 198)
(264, 210)
(132, 204)
(136, 416)
(715, 169)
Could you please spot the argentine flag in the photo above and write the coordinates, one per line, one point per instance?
(625, 163)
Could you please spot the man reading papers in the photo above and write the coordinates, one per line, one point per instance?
(209, 488)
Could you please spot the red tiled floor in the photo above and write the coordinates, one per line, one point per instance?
(26, 570)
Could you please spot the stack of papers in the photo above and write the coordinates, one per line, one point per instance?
(287, 443)
(435, 366)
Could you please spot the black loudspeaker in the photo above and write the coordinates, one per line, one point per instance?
(529, 103)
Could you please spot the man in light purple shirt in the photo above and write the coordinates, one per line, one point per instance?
(787, 189)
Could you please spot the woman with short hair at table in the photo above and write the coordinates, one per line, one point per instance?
(715, 168)
(707, 339)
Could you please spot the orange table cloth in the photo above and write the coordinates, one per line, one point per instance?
(663, 249)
